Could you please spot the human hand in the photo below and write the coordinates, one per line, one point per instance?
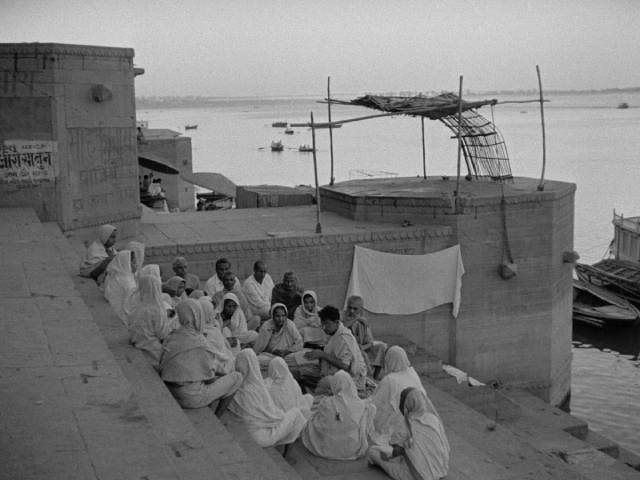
(313, 354)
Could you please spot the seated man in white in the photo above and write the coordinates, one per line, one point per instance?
(214, 284)
(257, 290)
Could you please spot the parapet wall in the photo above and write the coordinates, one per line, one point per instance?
(67, 123)
(515, 331)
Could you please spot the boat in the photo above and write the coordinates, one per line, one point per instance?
(600, 307)
(280, 124)
(326, 125)
(288, 131)
(277, 146)
(190, 127)
(305, 148)
(621, 277)
(623, 105)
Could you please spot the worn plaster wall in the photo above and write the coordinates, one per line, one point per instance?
(177, 152)
(82, 99)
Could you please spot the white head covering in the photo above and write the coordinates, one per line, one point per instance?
(278, 305)
(151, 269)
(120, 283)
(284, 390)
(252, 401)
(345, 395)
(190, 315)
(396, 360)
(104, 232)
(313, 295)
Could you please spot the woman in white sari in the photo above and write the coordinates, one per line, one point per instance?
(389, 424)
(99, 254)
(307, 321)
(233, 321)
(148, 322)
(187, 365)
(284, 390)
(267, 424)
(174, 287)
(120, 283)
(225, 359)
(424, 454)
(339, 427)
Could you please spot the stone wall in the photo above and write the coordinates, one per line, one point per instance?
(515, 331)
(81, 98)
(177, 152)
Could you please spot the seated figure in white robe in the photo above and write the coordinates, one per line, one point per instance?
(307, 320)
(277, 337)
(99, 253)
(284, 390)
(424, 454)
(120, 283)
(389, 424)
(234, 323)
(149, 325)
(224, 358)
(267, 424)
(339, 426)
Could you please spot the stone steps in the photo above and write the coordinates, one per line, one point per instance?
(197, 443)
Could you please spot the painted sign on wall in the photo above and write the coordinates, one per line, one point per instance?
(29, 161)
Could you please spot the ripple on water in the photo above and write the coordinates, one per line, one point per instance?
(605, 392)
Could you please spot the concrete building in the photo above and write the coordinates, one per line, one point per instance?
(173, 149)
(67, 133)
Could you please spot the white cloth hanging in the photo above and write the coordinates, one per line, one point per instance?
(406, 284)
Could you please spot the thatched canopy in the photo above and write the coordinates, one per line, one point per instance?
(484, 150)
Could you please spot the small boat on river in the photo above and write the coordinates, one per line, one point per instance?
(288, 131)
(305, 148)
(190, 127)
(279, 124)
(600, 307)
(277, 146)
(623, 105)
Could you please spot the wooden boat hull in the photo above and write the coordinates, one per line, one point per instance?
(598, 306)
(621, 277)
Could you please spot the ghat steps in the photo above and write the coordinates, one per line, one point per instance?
(77, 401)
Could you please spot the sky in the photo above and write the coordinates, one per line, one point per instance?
(281, 48)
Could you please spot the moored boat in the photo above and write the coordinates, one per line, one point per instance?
(623, 105)
(305, 148)
(288, 131)
(277, 146)
(190, 127)
(280, 124)
(600, 307)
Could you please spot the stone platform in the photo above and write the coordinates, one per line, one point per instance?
(77, 401)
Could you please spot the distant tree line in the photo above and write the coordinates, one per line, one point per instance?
(192, 101)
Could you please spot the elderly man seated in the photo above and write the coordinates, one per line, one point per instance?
(340, 353)
(277, 337)
(372, 350)
(288, 293)
(214, 284)
(192, 282)
(257, 290)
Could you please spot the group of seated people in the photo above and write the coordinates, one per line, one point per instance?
(269, 354)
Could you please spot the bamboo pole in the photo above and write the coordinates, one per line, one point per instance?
(315, 173)
(424, 151)
(332, 178)
(457, 192)
(544, 138)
